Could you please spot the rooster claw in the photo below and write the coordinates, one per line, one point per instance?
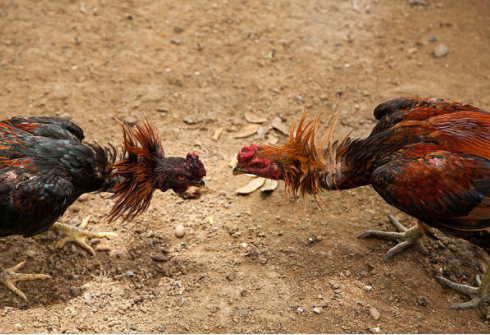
(8, 278)
(406, 237)
(477, 294)
(77, 235)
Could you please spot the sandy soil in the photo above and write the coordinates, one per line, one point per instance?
(197, 66)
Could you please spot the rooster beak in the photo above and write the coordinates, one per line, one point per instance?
(237, 171)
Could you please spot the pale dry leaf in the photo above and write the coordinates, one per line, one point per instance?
(217, 134)
(233, 162)
(271, 139)
(254, 185)
(281, 126)
(253, 118)
(248, 130)
(269, 185)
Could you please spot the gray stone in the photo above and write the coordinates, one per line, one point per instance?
(440, 50)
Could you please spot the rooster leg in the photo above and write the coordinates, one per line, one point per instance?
(77, 235)
(477, 294)
(8, 278)
(405, 238)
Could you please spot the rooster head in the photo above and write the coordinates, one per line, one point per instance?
(144, 169)
(251, 160)
(179, 173)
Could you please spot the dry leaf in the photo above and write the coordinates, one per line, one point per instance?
(254, 185)
(269, 185)
(217, 134)
(281, 126)
(253, 118)
(271, 139)
(234, 161)
(247, 131)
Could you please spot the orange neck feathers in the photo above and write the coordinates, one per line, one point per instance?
(143, 149)
(304, 160)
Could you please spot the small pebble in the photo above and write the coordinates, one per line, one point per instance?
(131, 120)
(368, 288)
(423, 301)
(103, 247)
(179, 231)
(18, 326)
(432, 39)
(243, 244)
(130, 273)
(374, 313)
(418, 2)
(324, 96)
(440, 50)
(66, 115)
(300, 310)
(318, 310)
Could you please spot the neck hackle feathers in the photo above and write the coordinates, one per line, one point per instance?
(143, 149)
(306, 157)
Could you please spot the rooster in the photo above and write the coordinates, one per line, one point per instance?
(430, 158)
(45, 167)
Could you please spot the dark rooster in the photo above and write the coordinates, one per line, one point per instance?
(430, 158)
(45, 167)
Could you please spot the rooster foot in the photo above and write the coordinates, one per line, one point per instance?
(405, 238)
(477, 294)
(77, 235)
(8, 278)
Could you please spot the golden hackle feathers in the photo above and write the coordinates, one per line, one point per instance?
(142, 146)
(307, 156)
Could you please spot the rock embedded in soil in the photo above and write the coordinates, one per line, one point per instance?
(422, 301)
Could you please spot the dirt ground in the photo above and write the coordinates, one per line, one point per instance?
(194, 67)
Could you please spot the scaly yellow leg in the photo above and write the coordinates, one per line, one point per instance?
(77, 235)
(477, 294)
(8, 278)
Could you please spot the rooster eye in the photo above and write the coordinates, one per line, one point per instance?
(181, 177)
(260, 165)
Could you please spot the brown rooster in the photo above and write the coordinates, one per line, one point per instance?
(45, 167)
(430, 158)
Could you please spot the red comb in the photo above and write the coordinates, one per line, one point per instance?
(247, 153)
(193, 160)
